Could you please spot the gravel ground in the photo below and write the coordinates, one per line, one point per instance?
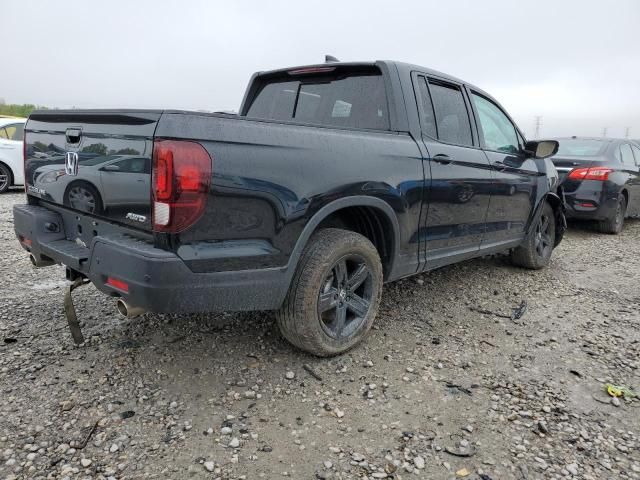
(446, 385)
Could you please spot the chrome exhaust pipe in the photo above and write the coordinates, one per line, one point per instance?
(129, 311)
(42, 262)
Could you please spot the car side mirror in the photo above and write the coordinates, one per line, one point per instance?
(111, 168)
(542, 148)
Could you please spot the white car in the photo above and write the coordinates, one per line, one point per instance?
(11, 161)
(105, 182)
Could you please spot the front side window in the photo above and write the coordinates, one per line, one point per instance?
(134, 165)
(4, 134)
(497, 131)
(626, 155)
(452, 118)
(356, 101)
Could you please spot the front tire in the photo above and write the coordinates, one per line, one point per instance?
(535, 252)
(334, 295)
(614, 224)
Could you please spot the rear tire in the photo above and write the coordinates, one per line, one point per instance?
(535, 252)
(614, 224)
(6, 178)
(334, 295)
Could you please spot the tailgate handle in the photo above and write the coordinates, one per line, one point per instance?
(73, 135)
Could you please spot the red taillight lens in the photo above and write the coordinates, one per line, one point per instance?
(181, 178)
(592, 173)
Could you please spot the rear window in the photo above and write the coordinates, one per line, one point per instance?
(580, 148)
(355, 101)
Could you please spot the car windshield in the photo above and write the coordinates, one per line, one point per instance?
(580, 147)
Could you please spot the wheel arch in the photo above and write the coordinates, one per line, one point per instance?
(384, 216)
(625, 192)
(557, 204)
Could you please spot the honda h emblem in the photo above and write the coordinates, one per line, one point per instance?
(71, 163)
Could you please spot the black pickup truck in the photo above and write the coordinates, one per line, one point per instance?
(331, 180)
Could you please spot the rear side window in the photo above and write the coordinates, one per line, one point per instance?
(452, 118)
(626, 155)
(15, 132)
(356, 101)
(428, 118)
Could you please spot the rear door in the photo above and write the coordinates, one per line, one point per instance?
(126, 181)
(460, 189)
(515, 177)
(94, 162)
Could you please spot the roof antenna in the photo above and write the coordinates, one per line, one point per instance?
(330, 59)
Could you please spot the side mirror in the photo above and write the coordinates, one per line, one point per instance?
(542, 148)
(111, 168)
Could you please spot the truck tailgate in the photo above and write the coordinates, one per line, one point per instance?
(94, 162)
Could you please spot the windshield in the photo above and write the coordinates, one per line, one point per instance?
(580, 147)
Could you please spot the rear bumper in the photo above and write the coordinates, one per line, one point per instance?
(591, 200)
(157, 280)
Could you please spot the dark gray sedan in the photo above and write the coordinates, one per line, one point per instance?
(600, 178)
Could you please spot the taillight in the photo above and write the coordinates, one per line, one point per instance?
(180, 184)
(591, 173)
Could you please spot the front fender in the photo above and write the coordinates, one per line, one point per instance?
(558, 205)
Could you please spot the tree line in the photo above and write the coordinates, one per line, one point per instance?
(14, 110)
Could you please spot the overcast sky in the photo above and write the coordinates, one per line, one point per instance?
(574, 62)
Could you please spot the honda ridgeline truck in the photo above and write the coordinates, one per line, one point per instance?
(330, 181)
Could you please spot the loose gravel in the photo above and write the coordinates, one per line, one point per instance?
(447, 385)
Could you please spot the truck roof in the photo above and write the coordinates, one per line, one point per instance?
(403, 68)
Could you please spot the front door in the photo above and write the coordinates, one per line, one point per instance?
(515, 176)
(458, 195)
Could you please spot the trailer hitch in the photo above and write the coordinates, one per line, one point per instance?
(70, 311)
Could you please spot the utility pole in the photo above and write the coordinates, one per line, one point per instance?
(604, 132)
(626, 132)
(538, 125)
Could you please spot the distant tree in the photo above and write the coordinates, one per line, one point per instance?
(128, 151)
(99, 148)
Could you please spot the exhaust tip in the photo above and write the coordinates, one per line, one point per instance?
(127, 310)
(41, 261)
(122, 307)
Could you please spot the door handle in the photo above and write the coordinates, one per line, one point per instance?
(443, 159)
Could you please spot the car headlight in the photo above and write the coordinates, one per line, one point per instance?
(50, 177)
